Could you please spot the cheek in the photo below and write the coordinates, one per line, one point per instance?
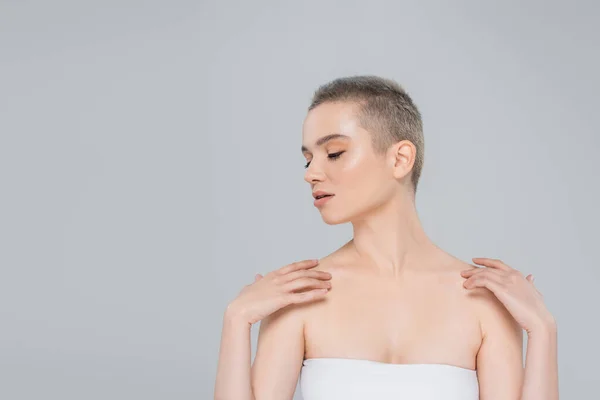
(359, 179)
(352, 162)
(350, 171)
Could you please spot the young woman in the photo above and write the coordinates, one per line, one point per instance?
(388, 315)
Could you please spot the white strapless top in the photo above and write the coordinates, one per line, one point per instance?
(353, 379)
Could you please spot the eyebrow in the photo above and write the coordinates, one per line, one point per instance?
(326, 139)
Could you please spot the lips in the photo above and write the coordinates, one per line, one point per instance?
(317, 194)
(321, 198)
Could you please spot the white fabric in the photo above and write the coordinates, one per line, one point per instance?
(353, 379)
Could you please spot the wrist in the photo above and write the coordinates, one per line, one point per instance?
(545, 328)
(234, 316)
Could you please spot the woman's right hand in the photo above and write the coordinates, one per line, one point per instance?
(280, 288)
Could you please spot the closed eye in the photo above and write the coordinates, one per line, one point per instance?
(333, 156)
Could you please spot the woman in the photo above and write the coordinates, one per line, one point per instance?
(388, 315)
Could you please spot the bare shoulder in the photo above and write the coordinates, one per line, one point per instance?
(492, 314)
(331, 262)
(498, 330)
(500, 357)
(298, 311)
(275, 372)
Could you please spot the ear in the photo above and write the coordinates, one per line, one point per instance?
(404, 154)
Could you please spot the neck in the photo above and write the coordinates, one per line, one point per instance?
(391, 239)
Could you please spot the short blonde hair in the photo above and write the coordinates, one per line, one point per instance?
(385, 109)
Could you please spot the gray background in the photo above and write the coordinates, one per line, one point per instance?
(150, 166)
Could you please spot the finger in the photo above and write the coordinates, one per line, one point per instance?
(491, 281)
(310, 273)
(303, 283)
(295, 298)
(492, 263)
(298, 265)
(478, 270)
(471, 271)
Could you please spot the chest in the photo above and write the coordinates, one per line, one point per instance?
(419, 323)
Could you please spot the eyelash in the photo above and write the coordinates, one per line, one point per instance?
(333, 156)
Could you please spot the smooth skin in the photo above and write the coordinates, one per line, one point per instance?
(395, 297)
(266, 299)
(526, 306)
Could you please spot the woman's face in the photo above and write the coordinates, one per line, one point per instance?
(358, 179)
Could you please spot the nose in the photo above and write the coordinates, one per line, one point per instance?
(313, 173)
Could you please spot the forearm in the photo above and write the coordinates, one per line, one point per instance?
(233, 381)
(541, 365)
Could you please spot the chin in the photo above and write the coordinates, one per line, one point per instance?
(334, 218)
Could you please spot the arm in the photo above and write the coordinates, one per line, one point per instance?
(234, 360)
(275, 299)
(527, 310)
(277, 363)
(279, 354)
(541, 366)
(500, 357)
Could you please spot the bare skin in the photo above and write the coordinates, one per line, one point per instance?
(422, 316)
(395, 296)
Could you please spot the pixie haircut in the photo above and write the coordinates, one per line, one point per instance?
(384, 109)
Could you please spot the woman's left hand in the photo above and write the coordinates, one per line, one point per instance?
(518, 293)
